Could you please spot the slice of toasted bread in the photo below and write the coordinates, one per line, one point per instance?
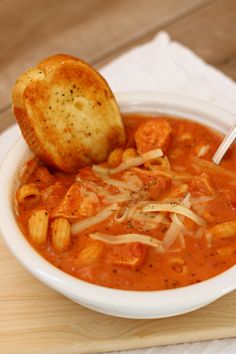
(67, 113)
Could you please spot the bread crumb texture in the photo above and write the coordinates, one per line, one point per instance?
(67, 113)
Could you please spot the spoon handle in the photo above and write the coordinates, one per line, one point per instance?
(228, 140)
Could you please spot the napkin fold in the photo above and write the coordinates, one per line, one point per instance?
(167, 66)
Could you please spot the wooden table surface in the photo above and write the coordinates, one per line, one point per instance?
(97, 31)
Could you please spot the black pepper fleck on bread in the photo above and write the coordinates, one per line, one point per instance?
(67, 113)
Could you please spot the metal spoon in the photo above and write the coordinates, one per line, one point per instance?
(228, 140)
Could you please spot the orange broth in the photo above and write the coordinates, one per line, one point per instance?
(136, 266)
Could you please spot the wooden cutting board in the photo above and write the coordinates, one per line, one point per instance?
(35, 319)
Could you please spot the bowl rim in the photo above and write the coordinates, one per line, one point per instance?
(203, 292)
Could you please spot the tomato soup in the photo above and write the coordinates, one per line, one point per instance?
(159, 214)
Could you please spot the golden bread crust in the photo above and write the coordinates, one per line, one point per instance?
(67, 113)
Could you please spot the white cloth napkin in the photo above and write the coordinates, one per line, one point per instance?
(167, 66)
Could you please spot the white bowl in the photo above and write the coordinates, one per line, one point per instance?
(123, 303)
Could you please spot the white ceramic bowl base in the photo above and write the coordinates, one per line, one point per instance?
(130, 304)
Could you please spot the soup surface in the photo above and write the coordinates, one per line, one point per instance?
(157, 215)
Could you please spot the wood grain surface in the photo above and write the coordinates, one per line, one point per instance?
(210, 32)
(90, 29)
(37, 320)
(100, 30)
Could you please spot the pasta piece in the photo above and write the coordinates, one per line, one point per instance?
(93, 220)
(90, 185)
(125, 165)
(91, 253)
(121, 215)
(160, 162)
(141, 221)
(186, 201)
(174, 175)
(172, 232)
(132, 162)
(131, 183)
(28, 193)
(117, 198)
(146, 222)
(115, 157)
(202, 200)
(28, 169)
(225, 230)
(129, 153)
(152, 155)
(38, 226)
(175, 208)
(212, 168)
(60, 234)
(44, 177)
(129, 238)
